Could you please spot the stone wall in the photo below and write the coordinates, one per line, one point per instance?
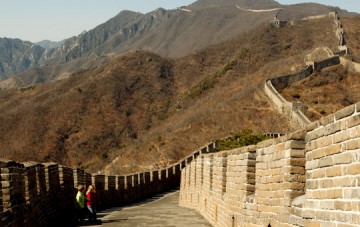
(35, 194)
(307, 178)
(334, 60)
(292, 110)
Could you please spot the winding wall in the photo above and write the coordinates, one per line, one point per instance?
(295, 110)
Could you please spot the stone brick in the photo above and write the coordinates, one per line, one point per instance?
(312, 126)
(353, 169)
(325, 183)
(345, 112)
(343, 205)
(327, 161)
(334, 171)
(312, 145)
(345, 182)
(341, 136)
(293, 170)
(297, 162)
(308, 213)
(343, 158)
(325, 141)
(353, 121)
(332, 128)
(327, 120)
(312, 184)
(317, 133)
(352, 144)
(316, 154)
(314, 164)
(297, 153)
(327, 205)
(333, 149)
(297, 136)
(334, 193)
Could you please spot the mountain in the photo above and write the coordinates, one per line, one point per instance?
(17, 56)
(248, 4)
(49, 44)
(139, 110)
(170, 33)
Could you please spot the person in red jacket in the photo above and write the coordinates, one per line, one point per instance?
(91, 203)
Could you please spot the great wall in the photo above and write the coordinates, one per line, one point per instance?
(307, 178)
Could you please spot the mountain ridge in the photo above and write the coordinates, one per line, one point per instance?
(130, 31)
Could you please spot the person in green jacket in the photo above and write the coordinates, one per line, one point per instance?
(80, 203)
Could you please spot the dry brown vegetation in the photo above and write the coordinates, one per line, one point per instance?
(141, 111)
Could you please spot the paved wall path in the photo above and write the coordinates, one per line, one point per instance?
(163, 210)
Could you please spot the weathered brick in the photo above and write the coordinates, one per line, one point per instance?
(343, 205)
(312, 184)
(353, 121)
(327, 120)
(317, 133)
(343, 158)
(334, 171)
(333, 149)
(297, 162)
(312, 126)
(325, 141)
(318, 173)
(297, 153)
(293, 170)
(353, 169)
(325, 183)
(332, 128)
(314, 164)
(352, 144)
(316, 154)
(308, 213)
(318, 194)
(334, 193)
(327, 161)
(345, 182)
(326, 205)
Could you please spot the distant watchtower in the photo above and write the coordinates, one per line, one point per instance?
(276, 22)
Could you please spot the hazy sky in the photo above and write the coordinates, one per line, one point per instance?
(36, 20)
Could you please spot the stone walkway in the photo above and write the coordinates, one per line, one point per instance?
(163, 210)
